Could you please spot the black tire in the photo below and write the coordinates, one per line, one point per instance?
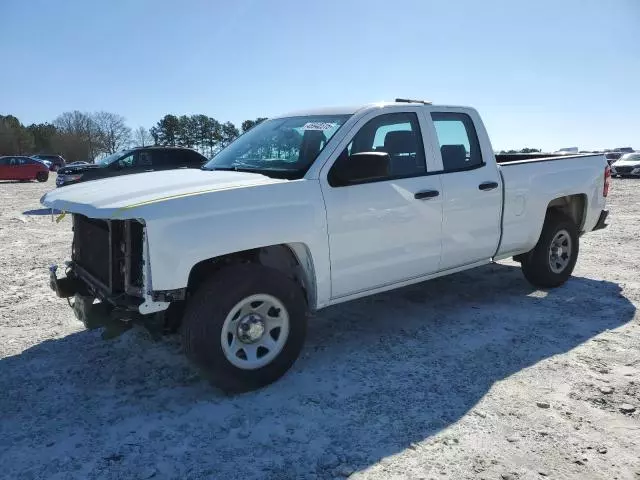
(537, 265)
(206, 313)
(42, 177)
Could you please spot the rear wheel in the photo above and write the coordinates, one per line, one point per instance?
(245, 327)
(42, 176)
(554, 257)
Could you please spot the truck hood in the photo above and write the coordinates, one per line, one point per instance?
(112, 197)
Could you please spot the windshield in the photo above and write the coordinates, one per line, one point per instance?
(111, 158)
(282, 147)
(631, 157)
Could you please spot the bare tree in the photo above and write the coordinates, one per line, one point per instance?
(113, 132)
(142, 137)
(77, 137)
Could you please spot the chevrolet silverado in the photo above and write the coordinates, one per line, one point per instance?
(312, 209)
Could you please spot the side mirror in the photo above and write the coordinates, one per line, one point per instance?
(360, 168)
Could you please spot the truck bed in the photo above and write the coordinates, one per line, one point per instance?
(506, 158)
(530, 184)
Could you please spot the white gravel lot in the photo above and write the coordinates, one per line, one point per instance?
(472, 376)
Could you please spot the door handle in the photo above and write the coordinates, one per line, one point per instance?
(426, 194)
(488, 185)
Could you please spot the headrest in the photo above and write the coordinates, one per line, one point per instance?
(400, 142)
(453, 156)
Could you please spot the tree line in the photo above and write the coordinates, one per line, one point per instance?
(201, 132)
(524, 150)
(86, 136)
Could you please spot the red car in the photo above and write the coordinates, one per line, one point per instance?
(23, 168)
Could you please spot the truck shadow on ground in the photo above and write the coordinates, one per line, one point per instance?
(42, 211)
(377, 376)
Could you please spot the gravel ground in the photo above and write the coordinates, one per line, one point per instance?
(476, 375)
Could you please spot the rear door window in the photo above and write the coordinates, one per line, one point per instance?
(145, 159)
(458, 141)
(163, 158)
(193, 159)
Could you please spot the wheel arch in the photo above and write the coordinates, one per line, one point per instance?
(292, 259)
(573, 206)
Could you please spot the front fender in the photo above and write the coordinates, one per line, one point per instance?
(184, 232)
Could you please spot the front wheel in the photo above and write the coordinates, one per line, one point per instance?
(554, 257)
(42, 176)
(245, 327)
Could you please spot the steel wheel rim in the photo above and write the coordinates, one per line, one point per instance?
(560, 251)
(255, 331)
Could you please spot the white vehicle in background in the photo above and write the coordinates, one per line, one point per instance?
(627, 166)
(567, 151)
(312, 209)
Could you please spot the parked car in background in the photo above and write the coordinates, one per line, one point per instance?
(612, 156)
(23, 168)
(56, 161)
(77, 163)
(567, 151)
(627, 166)
(136, 160)
(48, 164)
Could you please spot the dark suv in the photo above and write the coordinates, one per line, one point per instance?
(136, 160)
(57, 161)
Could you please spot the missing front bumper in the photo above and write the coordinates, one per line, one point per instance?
(79, 282)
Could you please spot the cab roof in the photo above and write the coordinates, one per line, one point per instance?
(350, 110)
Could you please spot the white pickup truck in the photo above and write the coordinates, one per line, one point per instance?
(313, 209)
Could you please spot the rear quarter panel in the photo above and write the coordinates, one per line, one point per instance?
(529, 187)
(27, 171)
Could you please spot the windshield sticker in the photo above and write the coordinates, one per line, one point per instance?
(318, 126)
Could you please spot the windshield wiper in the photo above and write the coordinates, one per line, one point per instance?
(285, 173)
(234, 169)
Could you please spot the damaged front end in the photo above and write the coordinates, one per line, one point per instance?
(107, 276)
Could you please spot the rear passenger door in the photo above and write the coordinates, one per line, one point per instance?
(472, 200)
(31, 167)
(164, 159)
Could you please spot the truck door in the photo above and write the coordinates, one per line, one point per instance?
(5, 169)
(472, 190)
(386, 229)
(30, 167)
(13, 172)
